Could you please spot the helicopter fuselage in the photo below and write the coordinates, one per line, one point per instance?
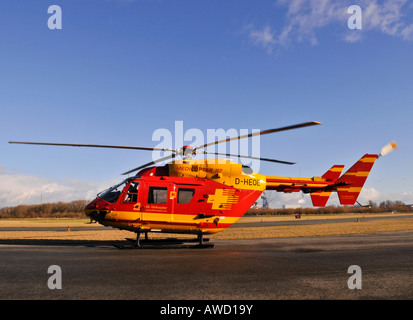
(188, 196)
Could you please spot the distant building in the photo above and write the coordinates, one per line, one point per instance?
(291, 206)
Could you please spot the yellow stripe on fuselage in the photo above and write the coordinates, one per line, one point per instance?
(368, 159)
(294, 182)
(358, 173)
(350, 189)
(164, 217)
(165, 222)
(322, 194)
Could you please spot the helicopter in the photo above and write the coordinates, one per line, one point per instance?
(206, 196)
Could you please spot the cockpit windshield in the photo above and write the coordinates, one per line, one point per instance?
(112, 194)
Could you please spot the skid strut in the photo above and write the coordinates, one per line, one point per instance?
(200, 239)
(138, 243)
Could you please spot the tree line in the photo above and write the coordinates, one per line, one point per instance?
(74, 209)
(387, 206)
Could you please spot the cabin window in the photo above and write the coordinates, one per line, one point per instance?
(157, 195)
(185, 195)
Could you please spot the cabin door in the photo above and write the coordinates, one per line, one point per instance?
(157, 203)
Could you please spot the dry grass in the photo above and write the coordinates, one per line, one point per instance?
(316, 229)
(69, 234)
(240, 232)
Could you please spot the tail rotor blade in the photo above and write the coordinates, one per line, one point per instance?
(390, 147)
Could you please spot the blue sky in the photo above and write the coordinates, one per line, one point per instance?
(120, 69)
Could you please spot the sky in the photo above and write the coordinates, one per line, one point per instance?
(116, 71)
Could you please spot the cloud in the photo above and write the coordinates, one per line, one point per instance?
(304, 18)
(278, 199)
(264, 38)
(18, 189)
(374, 195)
(388, 18)
(353, 37)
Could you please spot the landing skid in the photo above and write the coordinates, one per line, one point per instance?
(171, 243)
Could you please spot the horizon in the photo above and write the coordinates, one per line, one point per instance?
(116, 71)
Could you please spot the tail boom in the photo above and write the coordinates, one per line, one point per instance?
(348, 186)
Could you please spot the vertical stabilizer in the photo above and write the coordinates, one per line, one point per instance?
(350, 183)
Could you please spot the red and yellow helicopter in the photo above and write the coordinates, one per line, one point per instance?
(205, 196)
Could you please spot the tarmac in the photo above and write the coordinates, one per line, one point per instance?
(305, 268)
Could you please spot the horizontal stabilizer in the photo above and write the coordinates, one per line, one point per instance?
(320, 198)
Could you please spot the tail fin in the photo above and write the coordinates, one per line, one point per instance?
(333, 173)
(320, 198)
(350, 183)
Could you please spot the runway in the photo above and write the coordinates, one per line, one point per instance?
(265, 223)
(268, 269)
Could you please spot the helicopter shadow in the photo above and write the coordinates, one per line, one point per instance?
(117, 244)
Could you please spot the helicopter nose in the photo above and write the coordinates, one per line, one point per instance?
(90, 207)
(97, 215)
(93, 210)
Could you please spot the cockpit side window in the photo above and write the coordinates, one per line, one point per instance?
(132, 193)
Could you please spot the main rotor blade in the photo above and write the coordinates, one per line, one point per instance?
(249, 157)
(295, 126)
(88, 145)
(150, 163)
